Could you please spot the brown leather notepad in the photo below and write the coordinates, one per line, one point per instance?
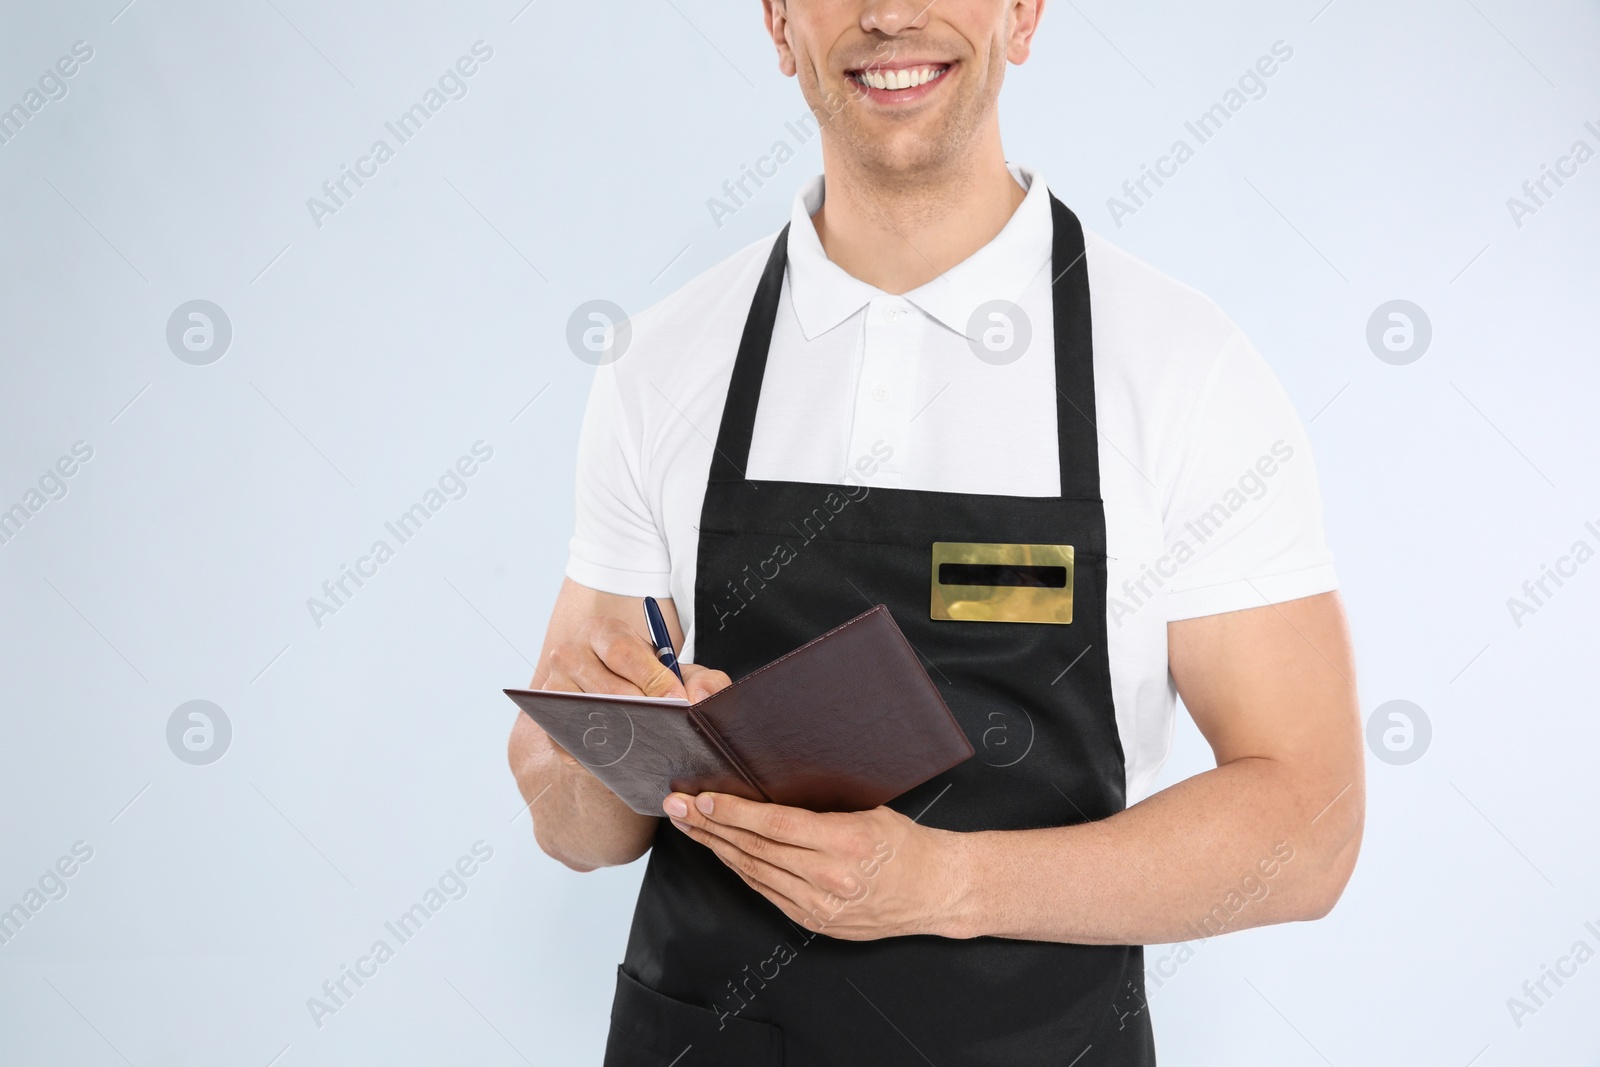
(845, 722)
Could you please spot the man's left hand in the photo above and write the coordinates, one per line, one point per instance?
(856, 876)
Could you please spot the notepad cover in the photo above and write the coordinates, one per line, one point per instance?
(845, 722)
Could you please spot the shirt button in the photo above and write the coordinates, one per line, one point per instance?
(893, 313)
(880, 394)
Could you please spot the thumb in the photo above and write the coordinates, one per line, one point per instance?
(663, 682)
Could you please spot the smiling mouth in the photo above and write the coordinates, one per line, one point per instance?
(900, 80)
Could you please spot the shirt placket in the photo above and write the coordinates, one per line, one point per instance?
(883, 388)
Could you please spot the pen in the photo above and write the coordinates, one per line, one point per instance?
(659, 635)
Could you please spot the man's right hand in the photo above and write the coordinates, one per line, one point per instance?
(596, 643)
(604, 655)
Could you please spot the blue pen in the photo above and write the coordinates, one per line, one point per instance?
(659, 636)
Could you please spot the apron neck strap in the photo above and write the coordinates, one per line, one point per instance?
(1076, 420)
(732, 453)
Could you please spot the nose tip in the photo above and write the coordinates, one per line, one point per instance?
(894, 16)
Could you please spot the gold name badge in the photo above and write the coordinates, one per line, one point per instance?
(974, 582)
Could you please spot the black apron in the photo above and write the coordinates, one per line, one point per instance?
(714, 974)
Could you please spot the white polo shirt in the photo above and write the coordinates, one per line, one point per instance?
(1210, 492)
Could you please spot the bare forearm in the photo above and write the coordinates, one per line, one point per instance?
(576, 819)
(591, 647)
(1246, 844)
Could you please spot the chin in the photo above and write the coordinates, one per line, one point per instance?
(911, 155)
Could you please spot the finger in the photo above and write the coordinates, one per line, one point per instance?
(575, 668)
(606, 657)
(703, 681)
(550, 676)
(762, 875)
(817, 875)
(828, 915)
(799, 863)
(777, 822)
(695, 811)
(682, 808)
(625, 654)
(789, 908)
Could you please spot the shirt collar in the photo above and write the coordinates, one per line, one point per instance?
(824, 295)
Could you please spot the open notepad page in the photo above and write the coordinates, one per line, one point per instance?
(676, 701)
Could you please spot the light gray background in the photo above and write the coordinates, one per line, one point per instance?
(430, 312)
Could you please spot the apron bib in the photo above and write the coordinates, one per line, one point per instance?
(714, 975)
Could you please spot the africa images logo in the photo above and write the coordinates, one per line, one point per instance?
(451, 85)
(1252, 85)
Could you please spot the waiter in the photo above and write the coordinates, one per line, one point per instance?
(934, 352)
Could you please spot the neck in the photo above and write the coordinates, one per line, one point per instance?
(900, 231)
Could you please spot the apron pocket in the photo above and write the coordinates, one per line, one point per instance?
(651, 1029)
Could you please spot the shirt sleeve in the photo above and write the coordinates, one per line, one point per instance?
(1243, 524)
(616, 545)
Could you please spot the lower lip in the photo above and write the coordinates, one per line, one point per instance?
(901, 97)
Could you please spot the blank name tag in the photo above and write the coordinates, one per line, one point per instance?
(979, 582)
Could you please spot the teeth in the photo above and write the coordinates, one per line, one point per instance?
(899, 79)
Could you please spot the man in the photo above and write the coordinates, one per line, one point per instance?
(934, 351)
